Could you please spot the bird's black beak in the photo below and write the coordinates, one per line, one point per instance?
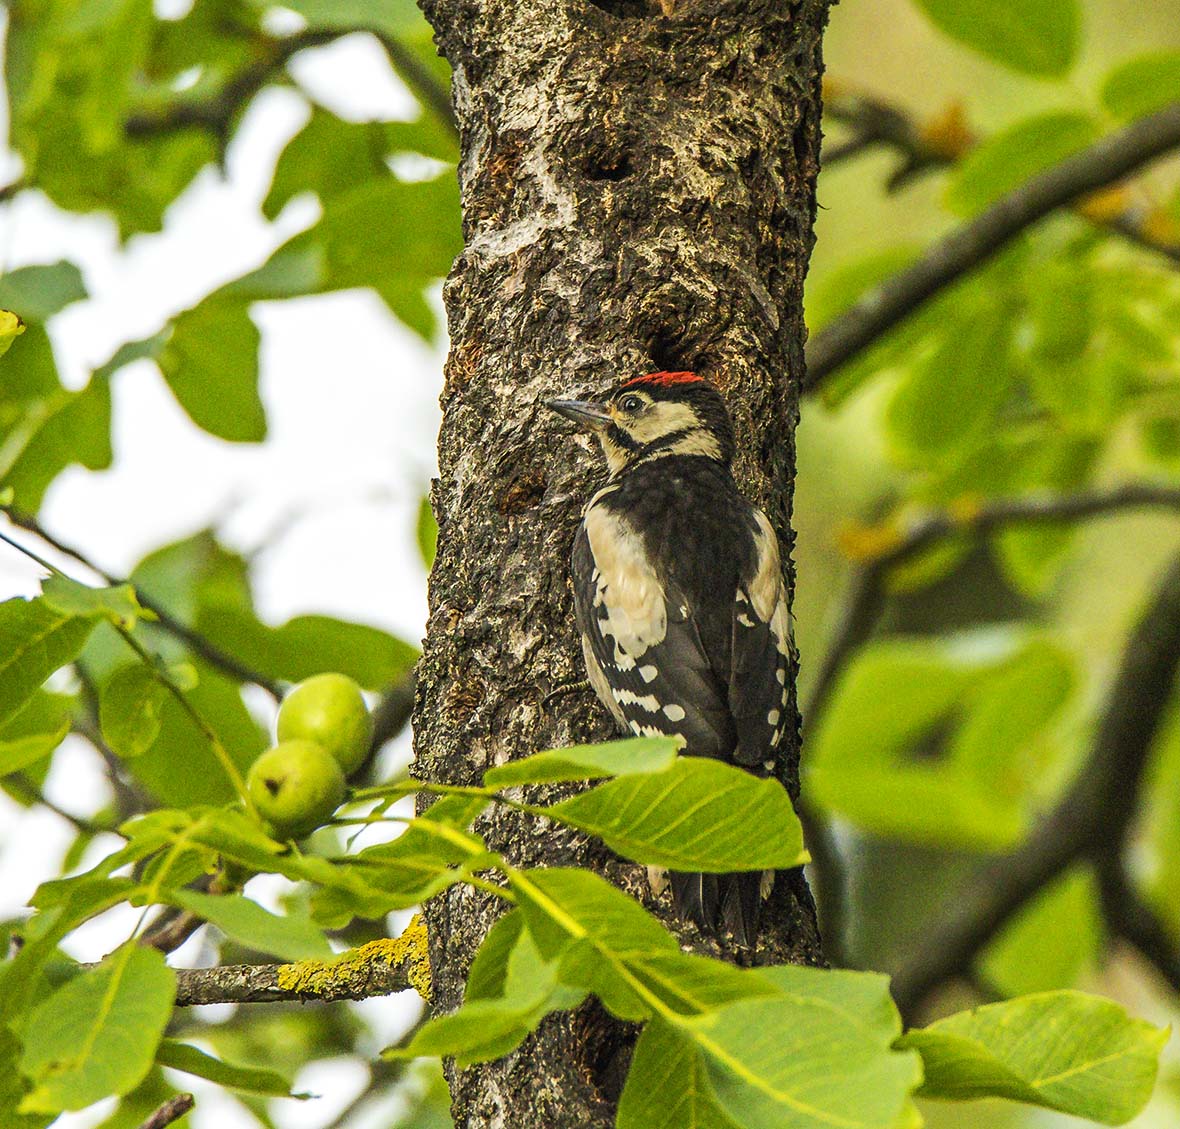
(585, 413)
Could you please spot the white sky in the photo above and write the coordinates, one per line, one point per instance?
(329, 502)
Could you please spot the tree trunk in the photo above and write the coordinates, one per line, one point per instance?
(638, 194)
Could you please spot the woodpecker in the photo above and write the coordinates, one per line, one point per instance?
(680, 601)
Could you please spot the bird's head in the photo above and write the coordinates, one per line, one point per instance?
(662, 413)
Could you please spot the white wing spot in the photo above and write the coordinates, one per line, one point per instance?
(648, 673)
(745, 620)
(772, 717)
(781, 675)
(630, 698)
(674, 712)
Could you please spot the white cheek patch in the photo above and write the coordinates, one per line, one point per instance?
(628, 595)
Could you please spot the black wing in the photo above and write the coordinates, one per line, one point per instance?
(761, 655)
(644, 655)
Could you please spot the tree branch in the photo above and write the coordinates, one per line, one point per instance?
(874, 122)
(25, 789)
(202, 646)
(379, 968)
(172, 1110)
(1106, 161)
(1094, 813)
(217, 112)
(422, 83)
(1131, 918)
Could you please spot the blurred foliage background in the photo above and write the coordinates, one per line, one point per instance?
(982, 670)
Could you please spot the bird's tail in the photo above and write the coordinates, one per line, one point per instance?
(728, 902)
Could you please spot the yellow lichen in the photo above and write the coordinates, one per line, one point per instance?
(412, 950)
(344, 975)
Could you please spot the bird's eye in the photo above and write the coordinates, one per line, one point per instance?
(631, 403)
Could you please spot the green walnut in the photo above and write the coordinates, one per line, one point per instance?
(329, 710)
(296, 786)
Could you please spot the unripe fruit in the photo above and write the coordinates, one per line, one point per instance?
(296, 786)
(329, 710)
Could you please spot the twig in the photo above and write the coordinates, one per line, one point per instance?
(217, 112)
(883, 307)
(172, 1110)
(202, 646)
(9, 190)
(1094, 813)
(428, 90)
(875, 122)
(171, 930)
(865, 603)
(26, 790)
(267, 983)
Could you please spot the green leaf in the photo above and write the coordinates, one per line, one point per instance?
(1052, 943)
(307, 645)
(120, 604)
(668, 1084)
(13, 1087)
(1141, 86)
(1011, 157)
(35, 640)
(242, 920)
(489, 969)
(211, 364)
(491, 1027)
(328, 156)
(427, 857)
(97, 1035)
(395, 17)
(1065, 1050)
(690, 984)
(427, 533)
(62, 429)
(37, 293)
(395, 237)
(39, 727)
(1036, 37)
(952, 395)
(184, 1056)
(633, 755)
(700, 814)
(180, 768)
(129, 709)
(595, 930)
(905, 748)
(820, 1053)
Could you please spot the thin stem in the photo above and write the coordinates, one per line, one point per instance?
(219, 750)
(202, 646)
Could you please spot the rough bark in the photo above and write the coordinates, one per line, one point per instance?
(638, 194)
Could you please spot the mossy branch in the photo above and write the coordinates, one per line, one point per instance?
(379, 968)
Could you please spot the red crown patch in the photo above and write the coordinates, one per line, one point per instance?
(663, 379)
